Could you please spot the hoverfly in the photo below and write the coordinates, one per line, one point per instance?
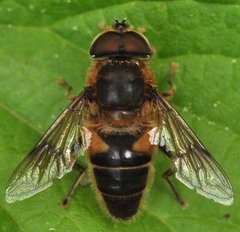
(118, 120)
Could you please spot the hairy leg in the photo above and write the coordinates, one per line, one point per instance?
(77, 181)
(167, 174)
(173, 70)
(68, 88)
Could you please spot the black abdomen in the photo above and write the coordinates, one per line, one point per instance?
(121, 175)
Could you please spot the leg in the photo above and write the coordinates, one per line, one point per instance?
(179, 199)
(84, 181)
(168, 174)
(141, 30)
(68, 87)
(173, 70)
(78, 167)
(73, 187)
(103, 27)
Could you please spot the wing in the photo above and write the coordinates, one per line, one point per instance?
(195, 167)
(53, 156)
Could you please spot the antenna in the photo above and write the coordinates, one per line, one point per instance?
(114, 19)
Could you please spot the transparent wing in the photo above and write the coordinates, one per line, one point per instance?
(195, 167)
(53, 156)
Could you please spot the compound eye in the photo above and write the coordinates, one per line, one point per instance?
(136, 45)
(106, 44)
(115, 44)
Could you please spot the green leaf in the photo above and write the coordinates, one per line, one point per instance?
(41, 41)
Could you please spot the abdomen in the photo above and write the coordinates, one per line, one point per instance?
(121, 173)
